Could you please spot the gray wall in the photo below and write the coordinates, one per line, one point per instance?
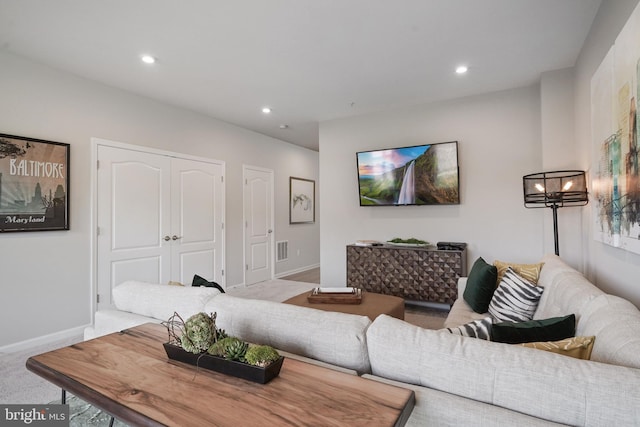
(558, 147)
(46, 275)
(498, 141)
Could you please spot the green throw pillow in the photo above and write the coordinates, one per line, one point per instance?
(481, 283)
(552, 329)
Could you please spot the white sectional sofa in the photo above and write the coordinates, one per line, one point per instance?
(457, 380)
(136, 303)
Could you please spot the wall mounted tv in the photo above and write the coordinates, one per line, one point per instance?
(418, 175)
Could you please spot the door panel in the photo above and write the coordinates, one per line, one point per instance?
(258, 208)
(141, 269)
(133, 196)
(259, 256)
(197, 262)
(197, 221)
(129, 230)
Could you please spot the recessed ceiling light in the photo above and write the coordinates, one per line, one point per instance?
(266, 110)
(462, 69)
(148, 59)
(283, 126)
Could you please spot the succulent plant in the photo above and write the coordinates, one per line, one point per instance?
(235, 350)
(199, 333)
(231, 348)
(218, 347)
(261, 355)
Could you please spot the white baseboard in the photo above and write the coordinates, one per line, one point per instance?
(296, 271)
(43, 340)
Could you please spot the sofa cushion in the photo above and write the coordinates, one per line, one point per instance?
(476, 329)
(578, 347)
(434, 408)
(161, 301)
(615, 322)
(565, 289)
(480, 286)
(552, 329)
(528, 381)
(331, 337)
(515, 300)
(531, 272)
(461, 313)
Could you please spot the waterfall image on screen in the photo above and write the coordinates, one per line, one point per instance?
(417, 175)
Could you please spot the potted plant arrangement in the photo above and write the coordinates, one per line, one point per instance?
(408, 242)
(198, 341)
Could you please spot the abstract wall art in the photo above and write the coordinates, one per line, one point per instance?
(302, 200)
(615, 103)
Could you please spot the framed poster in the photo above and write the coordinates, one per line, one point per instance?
(302, 200)
(34, 184)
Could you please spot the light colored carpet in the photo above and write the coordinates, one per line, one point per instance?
(272, 290)
(18, 385)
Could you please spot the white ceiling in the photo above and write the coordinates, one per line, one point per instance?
(309, 60)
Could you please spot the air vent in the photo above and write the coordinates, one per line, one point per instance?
(282, 250)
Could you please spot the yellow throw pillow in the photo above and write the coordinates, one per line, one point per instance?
(578, 347)
(531, 272)
(172, 283)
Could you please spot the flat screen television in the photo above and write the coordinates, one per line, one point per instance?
(417, 175)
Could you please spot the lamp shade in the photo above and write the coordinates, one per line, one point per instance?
(555, 189)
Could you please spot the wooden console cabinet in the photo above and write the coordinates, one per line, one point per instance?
(417, 274)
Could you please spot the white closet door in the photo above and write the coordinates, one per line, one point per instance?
(197, 214)
(133, 219)
(258, 211)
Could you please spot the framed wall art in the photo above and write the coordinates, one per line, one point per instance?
(34, 184)
(615, 119)
(302, 200)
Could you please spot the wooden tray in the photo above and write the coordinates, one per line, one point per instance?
(316, 297)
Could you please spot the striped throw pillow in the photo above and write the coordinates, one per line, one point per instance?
(477, 329)
(515, 300)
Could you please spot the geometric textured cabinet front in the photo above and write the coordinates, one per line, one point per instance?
(417, 274)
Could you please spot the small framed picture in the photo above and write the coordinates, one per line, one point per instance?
(302, 201)
(34, 184)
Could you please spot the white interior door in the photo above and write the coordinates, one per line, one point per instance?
(258, 212)
(132, 217)
(197, 215)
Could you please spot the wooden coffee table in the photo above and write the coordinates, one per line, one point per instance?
(128, 375)
(372, 305)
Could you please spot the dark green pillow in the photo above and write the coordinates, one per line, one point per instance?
(552, 329)
(481, 283)
(201, 281)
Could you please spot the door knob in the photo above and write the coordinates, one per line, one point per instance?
(167, 238)
(174, 237)
(270, 231)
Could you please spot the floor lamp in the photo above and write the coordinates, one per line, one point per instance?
(555, 190)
